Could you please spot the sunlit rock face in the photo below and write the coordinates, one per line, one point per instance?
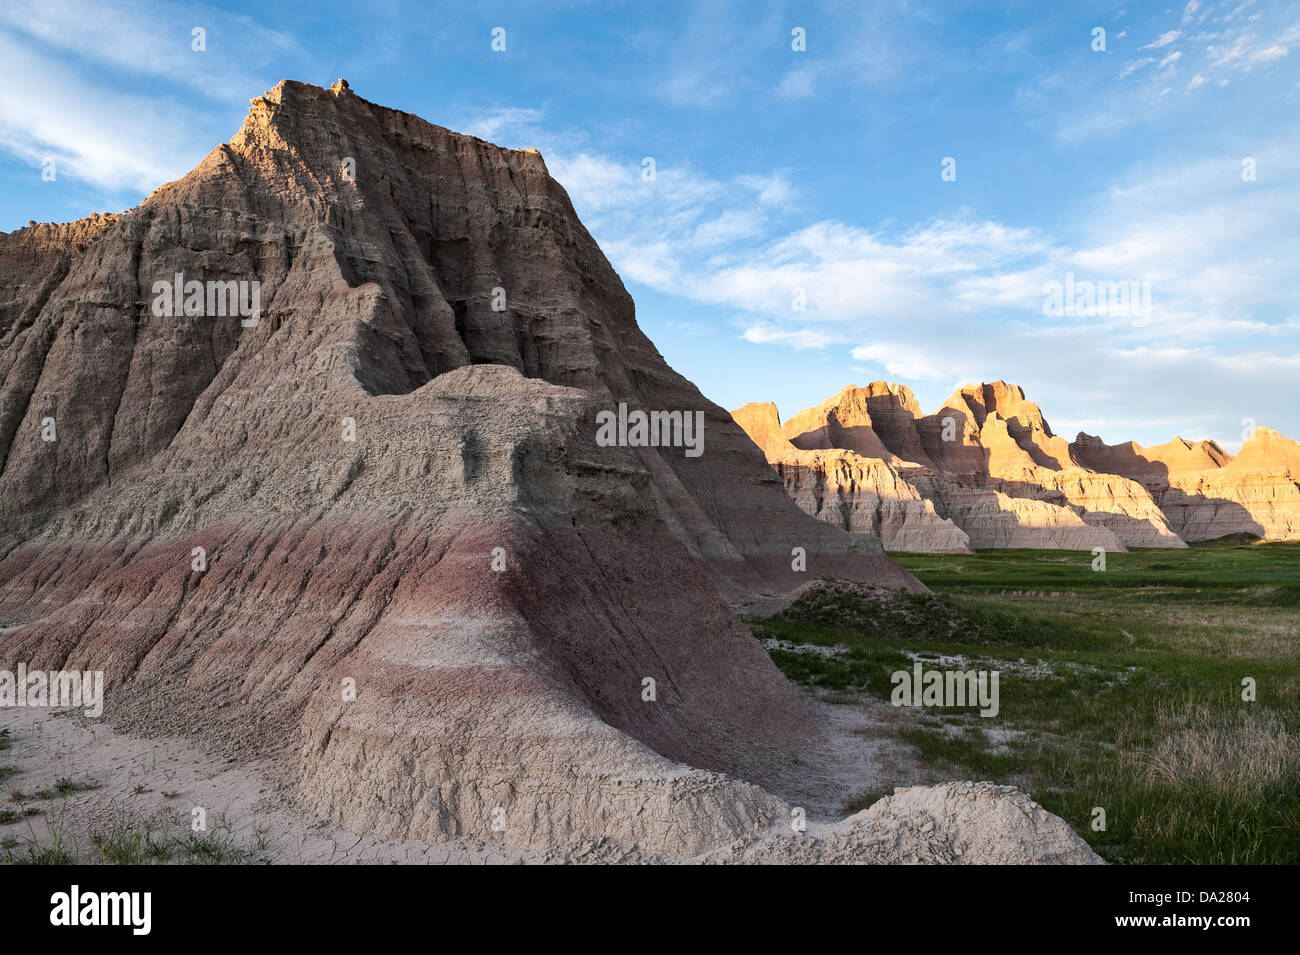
(1205, 492)
(989, 466)
(861, 493)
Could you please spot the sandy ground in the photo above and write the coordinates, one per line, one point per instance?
(143, 778)
(137, 779)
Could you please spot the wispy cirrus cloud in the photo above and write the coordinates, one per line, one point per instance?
(1162, 40)
(149, 38)
(50, 112)
(82, 86)
(516, 120)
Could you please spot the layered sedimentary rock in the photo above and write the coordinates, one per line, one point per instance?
(1105, 501)
(870, 421)
(370, 519)
(861, 494)
(1207, 493)
(994, 519)
(1155, 465)
(986, 462)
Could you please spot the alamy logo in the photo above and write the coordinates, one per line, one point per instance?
(103, 908)
(211, 299)
(923, 687)
(55, 688)
(1085, 299)
(654, 429)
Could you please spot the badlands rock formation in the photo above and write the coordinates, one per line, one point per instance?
(365, 527)
(986, 463)
(862, 494)
(1207, 493)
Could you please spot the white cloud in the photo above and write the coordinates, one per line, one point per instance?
(66, 65)
(1163, 39)
(773, 189)
(1246, 51)
(728, 227)
(901, 360)
(149, 39)
(495, 123)
(1136, 65)
(1274, 52)
(115, 141)
(795, 84)
(801, 338)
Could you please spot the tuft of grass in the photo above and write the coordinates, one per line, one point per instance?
(39, 855)
(1243, 753)
(64, 786)
(58, 848)
(128, 843)
(131, 838)
(863, 799)
(158, 839)
(9, 816)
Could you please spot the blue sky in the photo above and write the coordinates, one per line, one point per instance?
(786, 176)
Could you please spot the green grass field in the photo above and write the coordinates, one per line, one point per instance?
(1119, 689)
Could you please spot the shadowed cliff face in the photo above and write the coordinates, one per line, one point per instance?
(389, 474)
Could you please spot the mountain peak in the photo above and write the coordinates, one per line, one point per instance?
(389, 375)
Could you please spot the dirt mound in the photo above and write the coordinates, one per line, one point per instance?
(957, 823)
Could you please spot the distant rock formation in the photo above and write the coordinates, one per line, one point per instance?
(988, 465)
(1207, 493)
(861, 494)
